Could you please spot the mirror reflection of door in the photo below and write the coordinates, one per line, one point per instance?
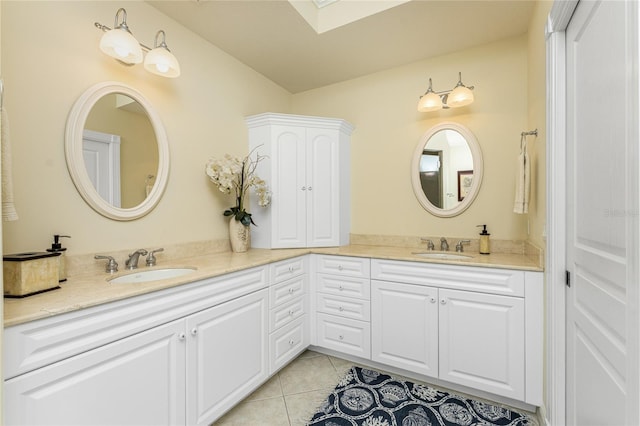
(431, 176)
(101, 152)
(119, 114)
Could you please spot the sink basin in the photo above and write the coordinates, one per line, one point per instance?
(151, 275)
(442, 256)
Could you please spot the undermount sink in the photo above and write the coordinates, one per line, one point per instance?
(151, 275)
(442, 256)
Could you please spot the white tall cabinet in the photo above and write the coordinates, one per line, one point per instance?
(307, 170)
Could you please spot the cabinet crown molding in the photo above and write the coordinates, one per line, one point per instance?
(299, 120)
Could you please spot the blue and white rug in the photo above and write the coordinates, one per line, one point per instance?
(368, 398)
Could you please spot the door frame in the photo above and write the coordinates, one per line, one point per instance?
(555, 32)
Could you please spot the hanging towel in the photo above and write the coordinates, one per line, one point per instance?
(8, 208)
(523, 179)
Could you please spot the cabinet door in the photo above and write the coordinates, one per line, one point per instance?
(227, 355)
(404, 324)
(482, 341)
(323, 190)
(138, 380)
(288, 209)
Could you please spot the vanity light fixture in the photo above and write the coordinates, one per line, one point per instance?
(120, 44)
(459, 96)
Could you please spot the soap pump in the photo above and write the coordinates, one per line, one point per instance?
(56, 247)
(484, 240)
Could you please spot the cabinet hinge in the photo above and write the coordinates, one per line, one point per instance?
(567, 278)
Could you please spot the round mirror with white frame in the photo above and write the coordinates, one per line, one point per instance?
(446, 170)
(121, 183)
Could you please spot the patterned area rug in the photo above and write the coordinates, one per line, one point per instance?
(368, 398)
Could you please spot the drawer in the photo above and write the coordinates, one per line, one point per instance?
(507, 282)
(344, 286)
(344, 265)
(286, 343)
(287, 291)
(344, 335)
(286, 313)
(285, 269)
(346, 307)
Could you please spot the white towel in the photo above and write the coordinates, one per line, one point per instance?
(523, 180)
(8, 208)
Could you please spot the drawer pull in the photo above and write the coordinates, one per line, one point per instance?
(341, 337)
(291, 313)
(340, 308)
(291, 342)
(443, 301)
(291, 290)
(340, 268)
(340, 288)
(291, 269)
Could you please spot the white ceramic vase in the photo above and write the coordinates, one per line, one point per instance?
(239, 236)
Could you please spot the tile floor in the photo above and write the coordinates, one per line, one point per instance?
(291, 397)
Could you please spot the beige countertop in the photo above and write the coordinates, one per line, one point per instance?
(91, 289)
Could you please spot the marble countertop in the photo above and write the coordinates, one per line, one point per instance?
(83, 291)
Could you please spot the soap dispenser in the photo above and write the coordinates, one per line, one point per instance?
(485, 247)
(56, 247)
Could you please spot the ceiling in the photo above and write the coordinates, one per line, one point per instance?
(271, 37)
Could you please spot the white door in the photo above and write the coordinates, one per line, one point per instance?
(289, 177)
(101, 153)
(138, 380)
(602, 329)
(323, 214)
(404, 320)
(481, 341)
(227, 355)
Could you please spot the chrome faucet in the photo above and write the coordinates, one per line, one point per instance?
(444, 245)
(459, 247)
(151, 259)
(430, 245)
(132, 261)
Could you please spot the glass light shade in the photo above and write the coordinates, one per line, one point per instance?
(459, 97)
(123, 46)
(162, 62)
(429, 102)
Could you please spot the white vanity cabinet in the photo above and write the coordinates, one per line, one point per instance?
(288, 306)
(343, 311)
(477, 327)
(307, 170)
(184, 355)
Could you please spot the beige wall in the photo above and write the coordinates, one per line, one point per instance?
(382, 107)
(204, 111)
(53, 57)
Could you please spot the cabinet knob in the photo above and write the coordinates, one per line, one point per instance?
(290, 268)
(341, 337)
(443, 301)
(181, 336)
(291, 342)
(310, 188)
(194, 331)
(304, 188)
(340, 308)
(291, 313)
(433, 300)
(340, 288)
(291, 290)
(340, 268)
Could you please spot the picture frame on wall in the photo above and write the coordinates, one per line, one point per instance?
(465, 179)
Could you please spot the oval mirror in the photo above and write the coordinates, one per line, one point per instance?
(446, 171)
(117, 151)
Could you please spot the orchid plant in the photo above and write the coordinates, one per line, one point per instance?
(237, 176)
